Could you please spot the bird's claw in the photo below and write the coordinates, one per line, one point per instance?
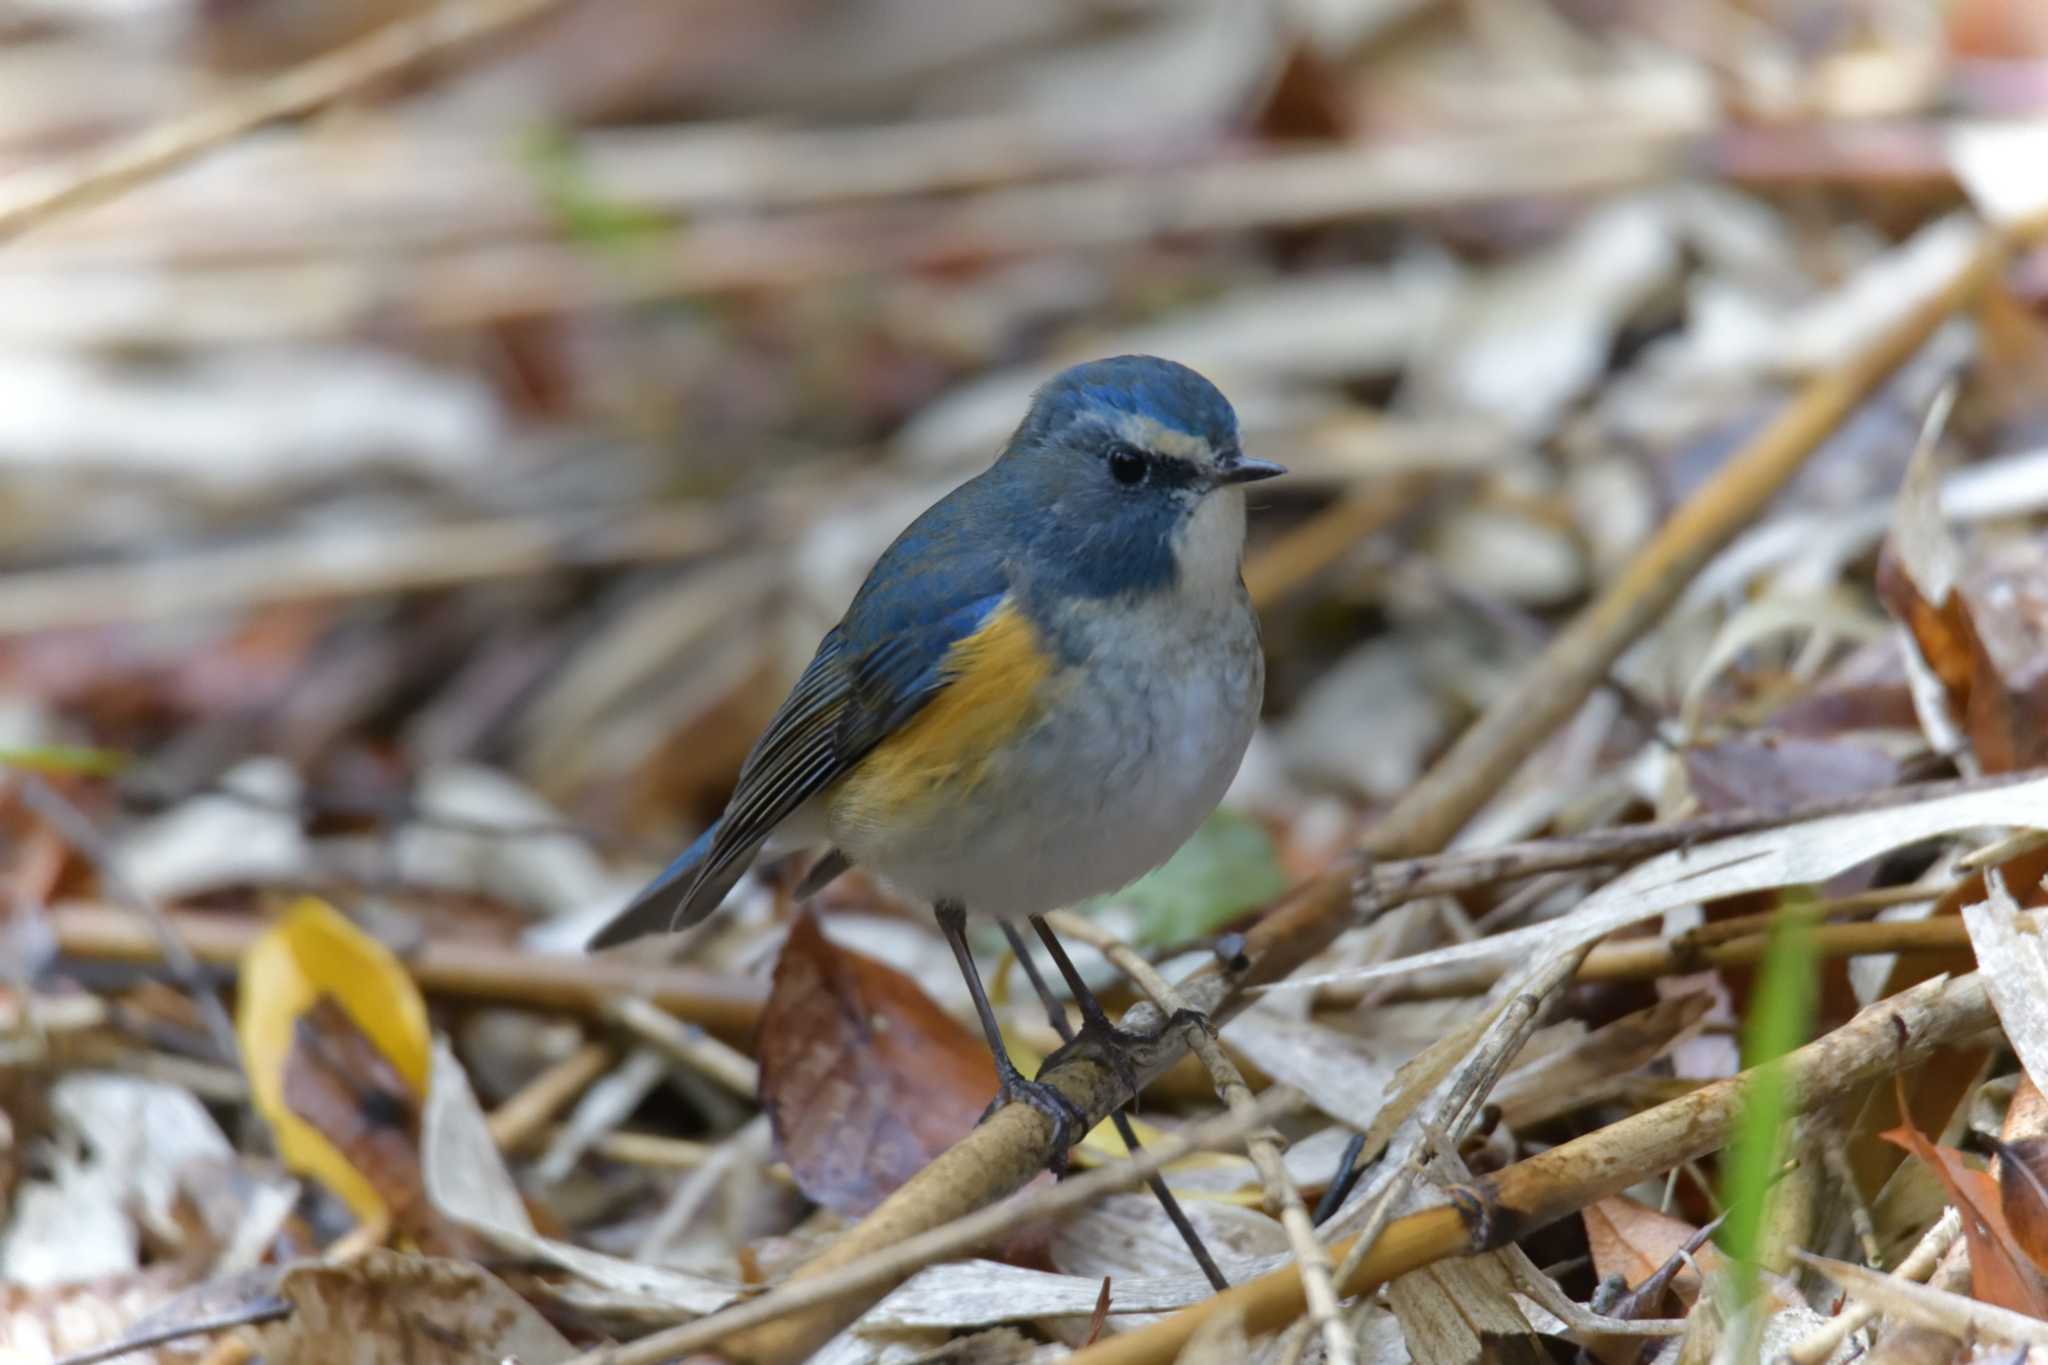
(1068, 1122)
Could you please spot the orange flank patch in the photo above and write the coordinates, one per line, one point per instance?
(996, 680)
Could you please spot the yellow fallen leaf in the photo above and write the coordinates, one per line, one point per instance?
(308, 954)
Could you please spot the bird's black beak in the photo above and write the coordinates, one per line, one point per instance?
(1245, 469)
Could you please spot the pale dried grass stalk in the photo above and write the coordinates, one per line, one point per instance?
(1262, 1145)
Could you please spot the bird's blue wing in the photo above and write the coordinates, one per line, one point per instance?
(933, 587)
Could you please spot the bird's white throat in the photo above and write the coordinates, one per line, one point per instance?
(1209, 546)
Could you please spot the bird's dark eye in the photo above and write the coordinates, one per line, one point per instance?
(1126, 465)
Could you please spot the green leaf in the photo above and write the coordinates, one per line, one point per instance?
(1780, 1014)
(1229, 867)
(563, 179)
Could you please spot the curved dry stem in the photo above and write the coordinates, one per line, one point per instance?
(331, 76)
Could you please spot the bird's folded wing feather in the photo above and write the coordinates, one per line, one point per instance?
(875, 670)
(850, 698)
(869, 678)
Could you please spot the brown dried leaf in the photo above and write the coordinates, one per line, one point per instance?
(389, 1306)
(1633, 1240)
(1999, 1273)
(1980, 622)
(336, 1080)
(262, 36)
(2006, 712)
(2026, 1114)
(1996, 29)
(863, 1077)
(2022, 1147)
(1306, 100)
(2023, 1194)
(1940, 627)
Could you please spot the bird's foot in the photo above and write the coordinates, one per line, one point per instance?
(1112, 1046)
(1115, 1047)
(1069, 1124)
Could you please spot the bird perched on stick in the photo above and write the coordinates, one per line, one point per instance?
(1041, 690)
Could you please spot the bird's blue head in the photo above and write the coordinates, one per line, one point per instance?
(1133, 469)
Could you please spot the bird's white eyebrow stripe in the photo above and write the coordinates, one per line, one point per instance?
(1148, 433)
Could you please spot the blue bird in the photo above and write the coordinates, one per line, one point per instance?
(1041, 690)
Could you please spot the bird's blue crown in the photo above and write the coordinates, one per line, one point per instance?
(1101, 392)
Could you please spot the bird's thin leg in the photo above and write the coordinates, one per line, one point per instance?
(1054, 1015)
(1175, 1214)
(1095, 1024)
(1068, 1122)
(1093, 1019)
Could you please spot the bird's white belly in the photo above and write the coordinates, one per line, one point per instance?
(1105, 786)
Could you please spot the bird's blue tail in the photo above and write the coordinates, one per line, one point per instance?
(687, 890)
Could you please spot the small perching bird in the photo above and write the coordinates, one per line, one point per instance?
(1041, 690)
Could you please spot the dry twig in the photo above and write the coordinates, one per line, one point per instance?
(1468, 1066)
(687, 1044)
(1952, 1314)
(168, 938)
(505, 281)
(724, 1004)
(416, 559)
(522, 1116)
(748, 1146)
(1917, 1266)
(397, 47)
(1649, 958)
